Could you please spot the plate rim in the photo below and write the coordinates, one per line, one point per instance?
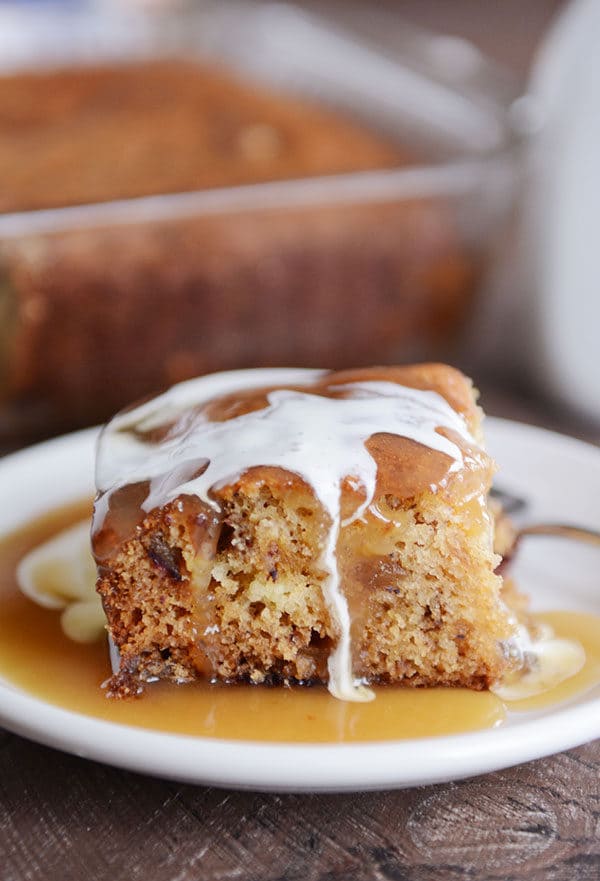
(292, 767)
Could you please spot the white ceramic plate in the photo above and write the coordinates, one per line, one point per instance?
(558, 476)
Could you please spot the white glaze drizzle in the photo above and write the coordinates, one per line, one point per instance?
(321, 439)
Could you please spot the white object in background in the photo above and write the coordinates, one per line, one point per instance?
(562, 220)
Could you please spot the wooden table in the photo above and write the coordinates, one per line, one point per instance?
(65, 819)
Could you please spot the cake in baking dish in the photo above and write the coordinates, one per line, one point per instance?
(279, 526)
(79, 135)
(226, 277)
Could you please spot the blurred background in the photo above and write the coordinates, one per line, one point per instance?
(196, 186)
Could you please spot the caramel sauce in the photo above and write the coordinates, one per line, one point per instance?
(36, 656)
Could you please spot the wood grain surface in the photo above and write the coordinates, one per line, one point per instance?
(66, 819)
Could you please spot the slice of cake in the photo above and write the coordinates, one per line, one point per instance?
(302, 526)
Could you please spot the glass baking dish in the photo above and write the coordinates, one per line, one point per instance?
(105, 302)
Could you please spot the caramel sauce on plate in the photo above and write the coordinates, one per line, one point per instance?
(37, 657)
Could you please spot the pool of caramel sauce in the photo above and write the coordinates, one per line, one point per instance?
(37, 657)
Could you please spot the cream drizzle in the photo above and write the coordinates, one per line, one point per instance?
(545, 662)
(320, 439)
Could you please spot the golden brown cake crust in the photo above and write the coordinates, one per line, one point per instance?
(241, 595)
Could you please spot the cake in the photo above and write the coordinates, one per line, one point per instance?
(256, 271)
(302, 526)
(162, 127)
